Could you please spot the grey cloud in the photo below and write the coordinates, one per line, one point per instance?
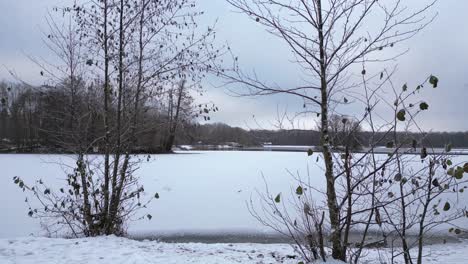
(440, 49)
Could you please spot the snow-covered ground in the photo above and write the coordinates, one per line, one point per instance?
(120, 250)
(199, 192)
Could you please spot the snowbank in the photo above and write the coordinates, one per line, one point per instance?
(121, 251)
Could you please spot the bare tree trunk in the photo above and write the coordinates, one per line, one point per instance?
(114, 198)
(174, 121)
(84, 184)
(349, 193)
(333, 210)
(105, 212)
(133, 139)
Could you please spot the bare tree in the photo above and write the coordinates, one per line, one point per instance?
(330, 40)
(128, 52)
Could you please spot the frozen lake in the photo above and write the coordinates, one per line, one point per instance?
(199, 191)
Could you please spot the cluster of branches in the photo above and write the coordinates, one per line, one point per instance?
(398, 200)
(121, 63)
(335, 42)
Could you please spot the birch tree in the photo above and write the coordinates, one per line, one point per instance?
(330, 40)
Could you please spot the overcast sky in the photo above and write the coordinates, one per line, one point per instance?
(441, 49)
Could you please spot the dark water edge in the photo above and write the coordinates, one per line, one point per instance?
(275, 238)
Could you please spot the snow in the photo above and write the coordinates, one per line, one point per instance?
(117, 250)
(185, 147)
(287, 147)
(202, 191)
(120, 250)
(199, 192)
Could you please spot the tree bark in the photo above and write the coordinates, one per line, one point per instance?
(105, 212)
(333, 210)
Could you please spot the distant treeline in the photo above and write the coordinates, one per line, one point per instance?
(53, 119)
(57, 119)
(220, 133)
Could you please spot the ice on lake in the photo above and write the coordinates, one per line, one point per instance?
(204, 191)
(199, 191)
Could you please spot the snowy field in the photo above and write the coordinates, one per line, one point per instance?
(122, 251)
